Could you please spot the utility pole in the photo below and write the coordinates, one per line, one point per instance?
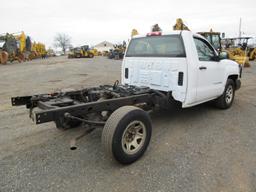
(240, 26)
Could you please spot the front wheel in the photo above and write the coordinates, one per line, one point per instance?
(126, 134)
(225, 101)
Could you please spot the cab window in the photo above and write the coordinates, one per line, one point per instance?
(204, 50)
(156, 46)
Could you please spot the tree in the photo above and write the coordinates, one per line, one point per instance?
(63, 41)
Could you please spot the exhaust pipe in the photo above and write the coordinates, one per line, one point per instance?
(73, 141)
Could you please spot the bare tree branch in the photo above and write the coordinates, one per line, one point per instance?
(63, 41)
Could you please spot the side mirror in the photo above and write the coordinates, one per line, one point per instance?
(215, 58)
(222, 35)
(223, 55)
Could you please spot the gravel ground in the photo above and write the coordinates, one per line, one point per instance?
(196, 149)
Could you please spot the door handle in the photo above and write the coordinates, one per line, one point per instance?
(202, 68)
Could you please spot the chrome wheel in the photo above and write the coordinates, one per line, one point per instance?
(229, 94)
(133, 137)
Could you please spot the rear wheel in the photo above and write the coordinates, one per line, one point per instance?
(226, 99)
(126, 134)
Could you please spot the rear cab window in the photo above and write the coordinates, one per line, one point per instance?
(156, 46)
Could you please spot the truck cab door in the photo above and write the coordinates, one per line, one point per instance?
(209, 71)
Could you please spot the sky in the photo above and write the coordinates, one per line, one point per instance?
(91, 22)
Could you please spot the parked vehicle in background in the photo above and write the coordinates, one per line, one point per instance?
(81, 52)
(118, 51)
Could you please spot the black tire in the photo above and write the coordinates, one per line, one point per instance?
(116, 130)
(91, 55)
(225, 101)
(64, 123)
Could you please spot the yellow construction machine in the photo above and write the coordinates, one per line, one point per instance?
(118, 51)
(251, 47)
(10, 46)
(38, 50)
(24, 45)
(81, 52)
(19, 47)
(3, 54)
(134, 32)
(179, 25)
(214, 38)
(95, 52)
(237, 49)
(236, 53)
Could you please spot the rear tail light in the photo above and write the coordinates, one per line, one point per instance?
(156, 33)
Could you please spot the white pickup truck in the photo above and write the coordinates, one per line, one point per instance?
(182, 63)
(157, 68)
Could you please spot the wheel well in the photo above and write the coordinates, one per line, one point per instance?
(234, 78)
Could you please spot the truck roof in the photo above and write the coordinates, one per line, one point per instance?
(176, 32)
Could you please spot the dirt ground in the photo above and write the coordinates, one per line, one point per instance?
(199, 149)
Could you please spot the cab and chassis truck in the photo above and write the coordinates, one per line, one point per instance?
(158, 68)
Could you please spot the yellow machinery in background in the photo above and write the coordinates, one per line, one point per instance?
(118, 51)
(237, 49)
(236, 53)
(179, 25)
(10, 46)
(24, 46)
(21, 40)
(214, 38)
(81, 52)
(250, 48)
(19, 47)
(252, 53)
(134, 32)
(95, 52)
(38, 50)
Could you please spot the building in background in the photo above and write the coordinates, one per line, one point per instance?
(104, 46)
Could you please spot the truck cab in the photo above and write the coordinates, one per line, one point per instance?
(182, 63)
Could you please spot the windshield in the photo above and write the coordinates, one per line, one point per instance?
(216, 42)
(156, 46)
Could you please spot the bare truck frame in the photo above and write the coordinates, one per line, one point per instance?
(127, 128)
